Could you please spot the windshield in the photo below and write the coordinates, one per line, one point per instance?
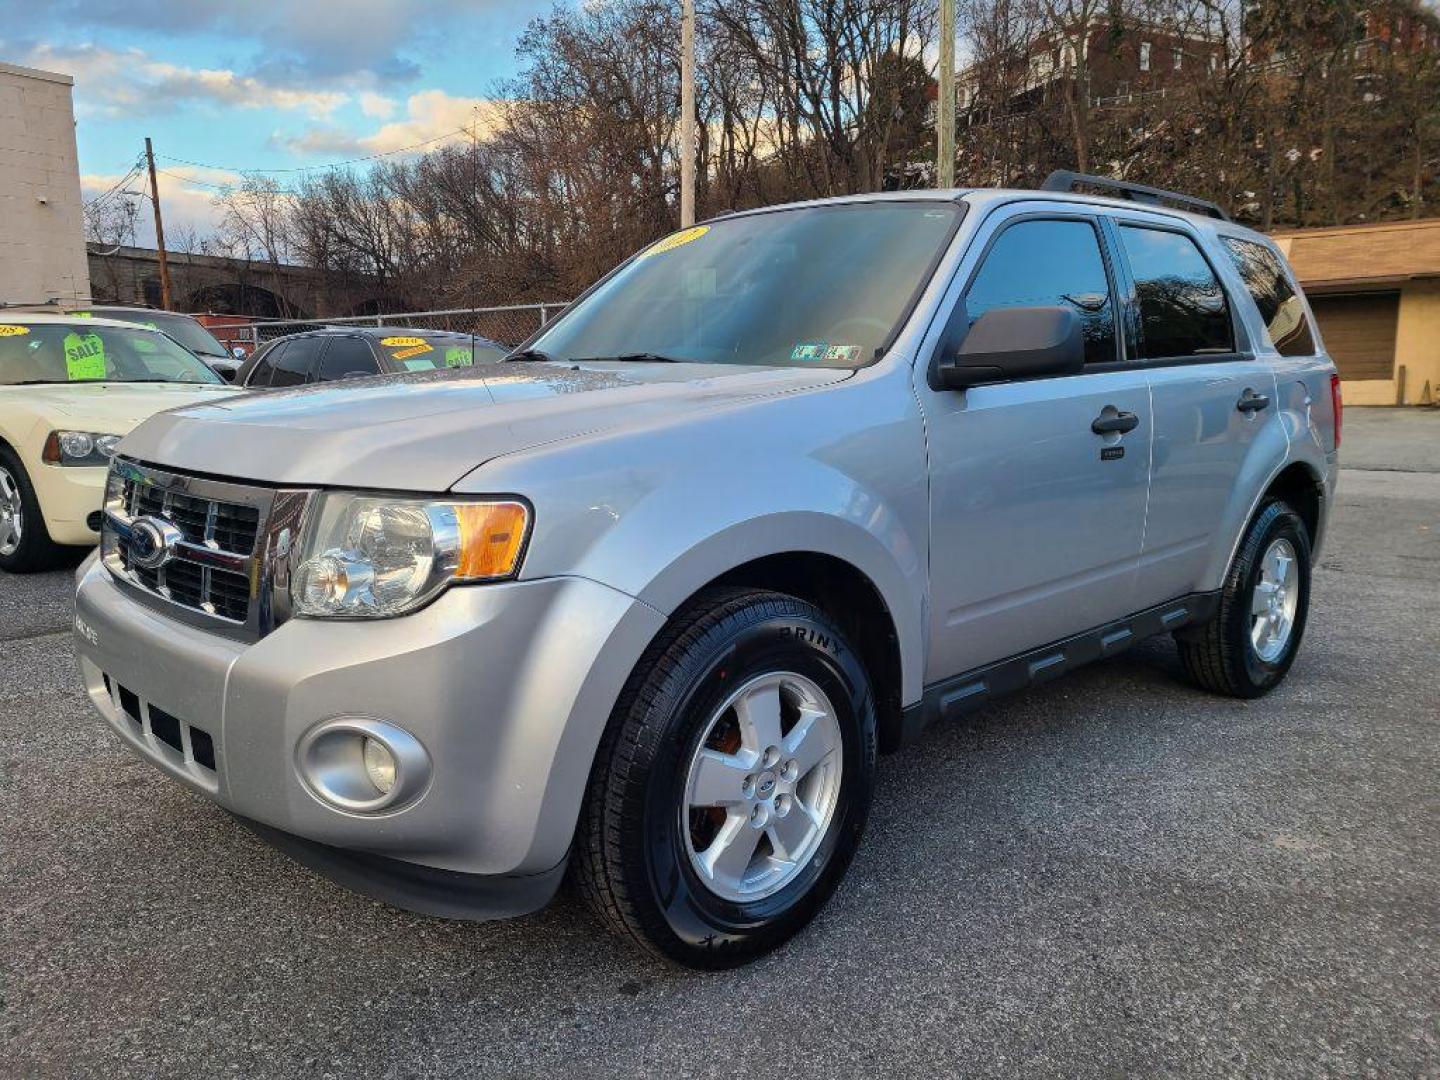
(414, 353)
(182, 328)
(817, 286)
(87, 352)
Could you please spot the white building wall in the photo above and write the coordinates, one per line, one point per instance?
(42, 232)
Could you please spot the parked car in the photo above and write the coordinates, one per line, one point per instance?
(349, 352)
(781, 490)
(186, 329)
(69, 389)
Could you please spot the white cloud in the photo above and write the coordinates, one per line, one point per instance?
(111, 82)
(188, 196)
(377, 105)
(432, 117)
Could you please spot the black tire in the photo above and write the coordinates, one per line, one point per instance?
(1220, 656)
(35, 551)
(631, 861)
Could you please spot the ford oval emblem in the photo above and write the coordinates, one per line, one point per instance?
(152, 542)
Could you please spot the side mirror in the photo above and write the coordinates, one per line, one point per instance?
(228, 374)
(1013, 343)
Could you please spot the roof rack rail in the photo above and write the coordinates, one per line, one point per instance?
(1065, 180)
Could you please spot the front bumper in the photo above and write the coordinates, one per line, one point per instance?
(508, 686)
(69, 496)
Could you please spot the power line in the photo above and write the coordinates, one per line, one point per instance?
(99, 200)
(321, 168)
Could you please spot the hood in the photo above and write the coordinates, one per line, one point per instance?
(423, 432)
(112, 408)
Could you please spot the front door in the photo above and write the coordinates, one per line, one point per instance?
(1036, 519)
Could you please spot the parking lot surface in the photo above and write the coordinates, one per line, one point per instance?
(1110, 875)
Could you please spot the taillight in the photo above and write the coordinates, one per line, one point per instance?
(1337, 405)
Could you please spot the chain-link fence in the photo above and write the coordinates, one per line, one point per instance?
(508, 325)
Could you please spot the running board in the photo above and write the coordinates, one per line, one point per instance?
(974, 689)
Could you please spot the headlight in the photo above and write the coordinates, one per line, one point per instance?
(79, 448)
(373, 556)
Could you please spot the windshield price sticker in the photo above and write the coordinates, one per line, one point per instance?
(402, 342)
(406, 354)
(13, 331)
(675, 240)
(84, 357)
(459, 357)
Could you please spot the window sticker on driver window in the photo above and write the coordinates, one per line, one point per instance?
(459, 356)
(845, 354)
(809, 350)
(675, 240)
(406, 354)
(84, 357)
(13, 331)
(402, 342)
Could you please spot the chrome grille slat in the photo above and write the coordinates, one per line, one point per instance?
(229, 548)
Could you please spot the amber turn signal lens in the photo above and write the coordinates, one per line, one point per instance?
(492, 536)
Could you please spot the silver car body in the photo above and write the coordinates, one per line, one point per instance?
(984, 521)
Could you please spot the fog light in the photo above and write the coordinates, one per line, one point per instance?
(362, 764)
(380, 764)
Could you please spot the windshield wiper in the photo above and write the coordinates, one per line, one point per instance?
(629, 358)
(531, 354)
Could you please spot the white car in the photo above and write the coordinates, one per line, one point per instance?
(70, 388)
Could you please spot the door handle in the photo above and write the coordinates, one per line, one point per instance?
(1250, 401)
(1121, 421)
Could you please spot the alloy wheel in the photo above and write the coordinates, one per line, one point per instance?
(12, 513)
(1275, 601)
(762, 786)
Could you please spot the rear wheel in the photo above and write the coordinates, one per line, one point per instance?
(25, 545)
(732, 785)
(1247, 648)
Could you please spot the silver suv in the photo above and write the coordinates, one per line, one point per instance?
(642, 603)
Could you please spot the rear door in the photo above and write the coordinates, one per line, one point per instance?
(1036, 519)
(1211, 396)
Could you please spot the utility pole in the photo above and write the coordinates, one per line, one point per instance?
(945, 106)
(687, 113)
(159, 228)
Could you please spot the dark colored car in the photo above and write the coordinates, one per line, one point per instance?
(346, 352)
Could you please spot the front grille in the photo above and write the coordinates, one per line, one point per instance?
(223, 547)
(220, 526)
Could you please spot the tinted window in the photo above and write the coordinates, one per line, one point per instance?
(347, 356)
(1269, 285)
(1049, 264)
(1182, 307)
(294, 364)
(265, 364)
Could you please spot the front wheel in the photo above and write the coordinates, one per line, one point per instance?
(733, 782)
(25, 545)
(1247, 648)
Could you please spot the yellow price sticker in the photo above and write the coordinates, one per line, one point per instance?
(13, 331)
(416, 350)
(402, 342)
(675, 240)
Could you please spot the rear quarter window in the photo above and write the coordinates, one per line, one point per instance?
(1280, 306)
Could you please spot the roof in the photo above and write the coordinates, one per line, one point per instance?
(1359, 255)
(38, 318)
(387, 331)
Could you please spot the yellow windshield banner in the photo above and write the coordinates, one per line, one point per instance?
(402, 342)
(406, 354)
(675, 240)
(84, 357)
(13, 331)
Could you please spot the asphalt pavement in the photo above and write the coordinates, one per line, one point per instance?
(1113, 874)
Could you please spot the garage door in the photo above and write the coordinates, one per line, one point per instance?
(1359, 331)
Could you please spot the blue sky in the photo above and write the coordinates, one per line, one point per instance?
(261, 84)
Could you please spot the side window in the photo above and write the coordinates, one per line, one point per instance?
(1049, 263)
(1280, 307)
(347, 356)
(1183, 311)
(294, 364)
(264, 368)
